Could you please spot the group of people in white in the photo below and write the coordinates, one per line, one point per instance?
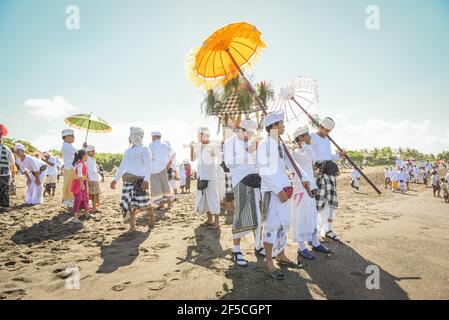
(409, 171)
(267, 202)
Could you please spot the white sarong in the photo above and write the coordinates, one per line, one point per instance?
(304, 216)
(208, 200)
(35, 193)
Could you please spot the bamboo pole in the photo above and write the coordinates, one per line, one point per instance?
(340, 149)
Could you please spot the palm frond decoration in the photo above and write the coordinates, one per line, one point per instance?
(265, 92)
(211, 102)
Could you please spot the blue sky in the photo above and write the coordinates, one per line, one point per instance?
(126, 64)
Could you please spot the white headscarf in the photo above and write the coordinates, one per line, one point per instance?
(136, 136)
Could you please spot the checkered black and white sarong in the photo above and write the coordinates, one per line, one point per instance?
(134, 197)
(327, 191)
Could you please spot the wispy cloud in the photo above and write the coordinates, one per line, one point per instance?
(49, 109)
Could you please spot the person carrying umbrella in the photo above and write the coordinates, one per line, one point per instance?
(6, 169)
(276, 190)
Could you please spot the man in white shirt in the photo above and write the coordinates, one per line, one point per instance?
(68, 155)
(172, 170)
(272, 163)
(35, 170)
(387, 177)
(6, 169)
(402, 178)
(135, 169)
(52, 174)
(207, 197)
(304, 211)
(355, 179)
(240, 158)
(161, 160)
(327, 198)
(93, 178)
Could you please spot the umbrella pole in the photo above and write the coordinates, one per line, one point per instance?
(340, 149)
(88, 127)
(264, 110)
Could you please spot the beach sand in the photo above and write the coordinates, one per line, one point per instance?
(404, 235)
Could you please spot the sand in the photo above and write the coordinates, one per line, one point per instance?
(405, 236)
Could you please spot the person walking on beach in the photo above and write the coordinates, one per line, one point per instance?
(188, 169)
(240, 159)
(387, 177)
(394, 176)
(207, 197)
(52, 174)
(161, 161)
(6, 169)
(304, 210)
(68, 155)
(355, 179)
(182, 177)
(135, 170)
(80, 187)
(35, 171)
(402, 177)
(327, 197)
(94, 179)
(436, 184)
(276, 191)
(445, 189)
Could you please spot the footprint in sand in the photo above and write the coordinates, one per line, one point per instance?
(13, 294)
(152, 257)
(160, 246)
(155, 285)
(119, 287)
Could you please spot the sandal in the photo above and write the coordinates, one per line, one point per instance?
(238, 259)
(259, 252)
(321, 249)
(306, 254)
(331, 235)
(288, 264)
(276, 274)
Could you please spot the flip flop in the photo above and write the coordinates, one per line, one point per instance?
(213, 227)
(276, 274)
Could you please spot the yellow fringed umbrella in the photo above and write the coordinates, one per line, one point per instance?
(214, 63)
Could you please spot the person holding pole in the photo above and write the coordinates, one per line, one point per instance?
(326, 198)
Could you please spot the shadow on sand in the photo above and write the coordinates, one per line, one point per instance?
(122, 251)
(56, 228)
(341, 275)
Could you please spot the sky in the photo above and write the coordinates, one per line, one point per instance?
(126, 64)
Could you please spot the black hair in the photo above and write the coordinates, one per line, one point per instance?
(79, 156)
(271, 126)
